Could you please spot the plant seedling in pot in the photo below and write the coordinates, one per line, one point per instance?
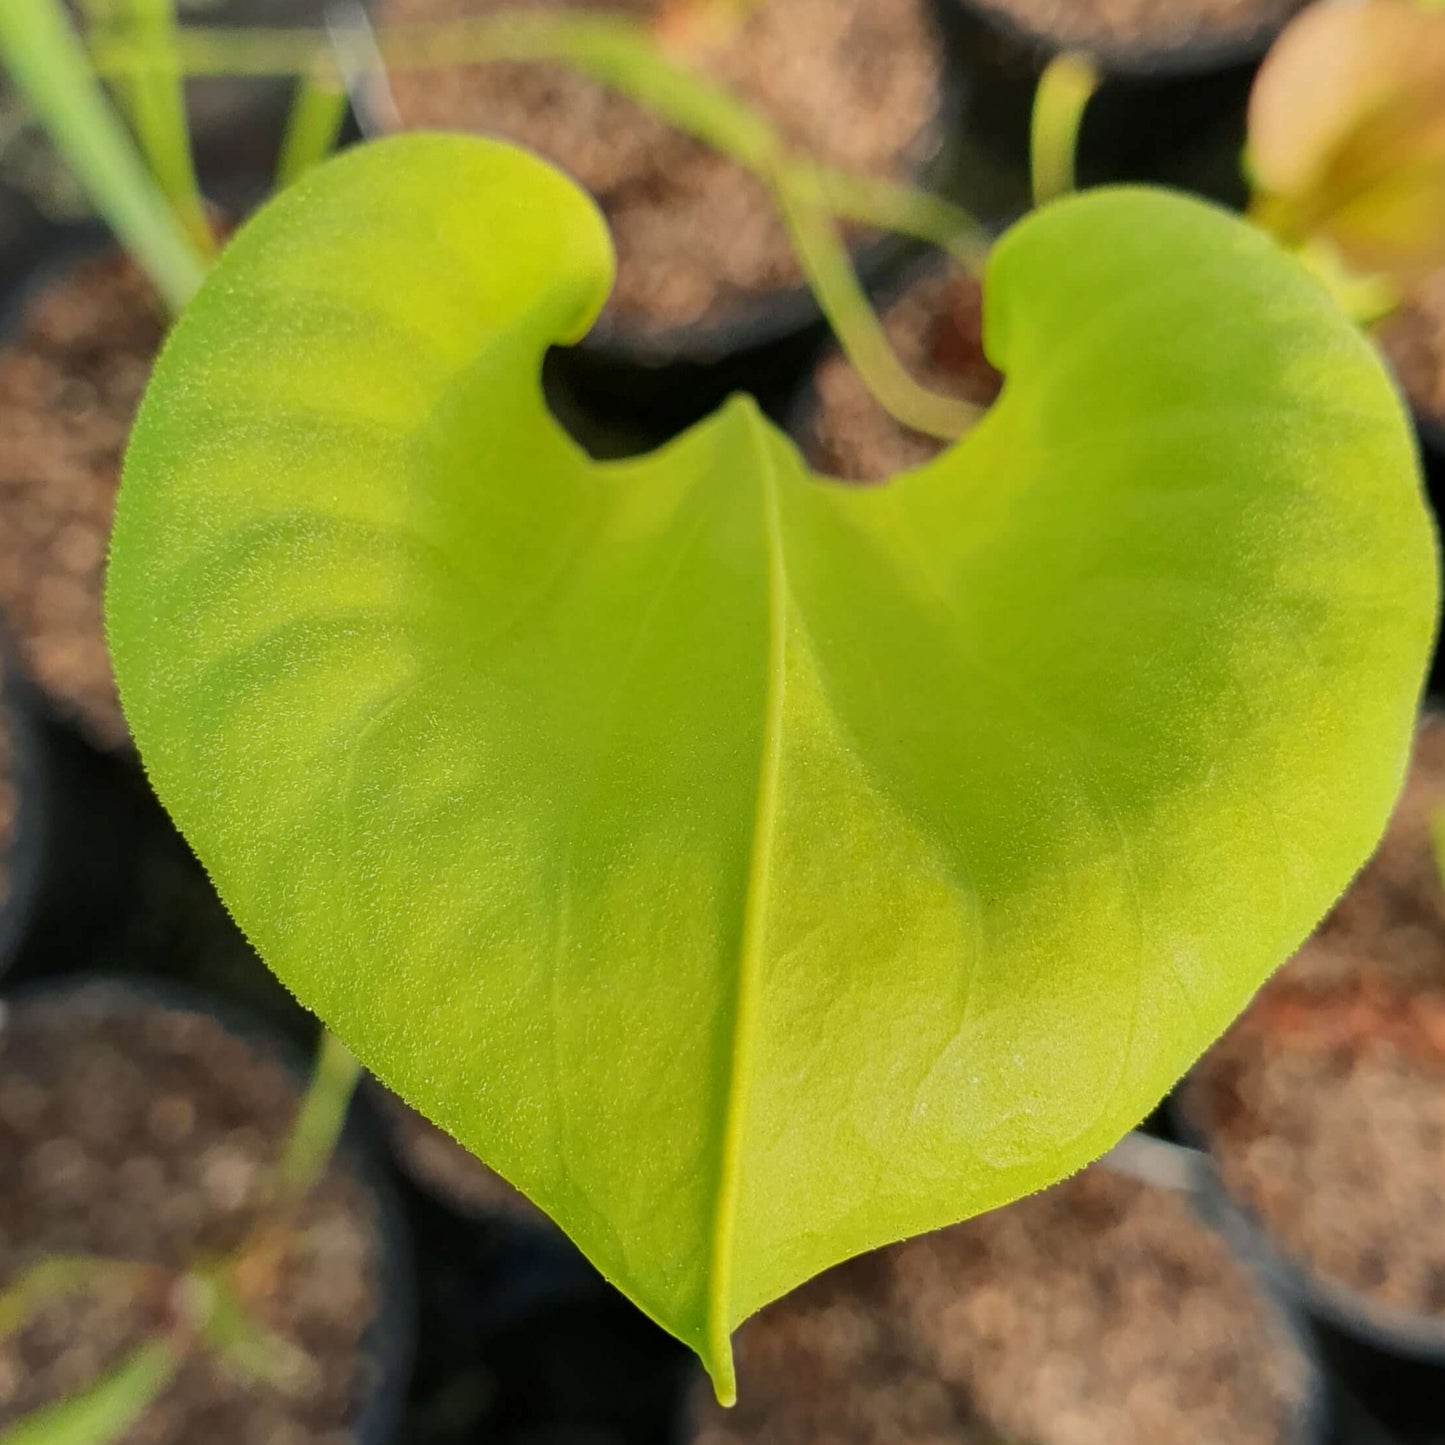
(176, 1219)
(209, 1306)
(751, 868)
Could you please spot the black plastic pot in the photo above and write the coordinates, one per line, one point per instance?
(24, 234)
(100, 879)
(1388, 1362)
(33, 268)
(1354, 1425)
(1172, 113)
(74, 860)
(595, 1373)
(528, 1341)
(25, 853)
(390, 1340)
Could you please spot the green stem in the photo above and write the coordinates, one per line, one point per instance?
(856, 324)
(1062, 96)
(1437, 842)
(314, 125)
(904, 209)
(48, 61)
(231, 1330)
(321, 1116)
(156, 101)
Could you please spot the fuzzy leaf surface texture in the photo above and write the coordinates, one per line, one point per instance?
(752, 868)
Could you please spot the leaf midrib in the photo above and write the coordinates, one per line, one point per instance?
(718, 1326)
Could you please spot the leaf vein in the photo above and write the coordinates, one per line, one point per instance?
(750, 957)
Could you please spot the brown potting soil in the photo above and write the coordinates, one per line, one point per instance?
(1413, 340)
(1143, 24)
(1324, 1106)
(854, 83)
(935, 326)
(71, 378)
(148, 1133)
(1100, 1312)
(447, 1169)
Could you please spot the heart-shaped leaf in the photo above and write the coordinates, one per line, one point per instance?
(752, 868)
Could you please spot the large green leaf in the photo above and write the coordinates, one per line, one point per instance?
(752, 868)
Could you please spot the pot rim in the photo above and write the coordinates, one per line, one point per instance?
(1177, 59)
(1162, 1164)
(1389, 1328)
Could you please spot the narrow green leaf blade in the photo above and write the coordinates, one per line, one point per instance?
(313, 126)
(155, 90)
(42, 52)
(755, 869)
(106, 1410)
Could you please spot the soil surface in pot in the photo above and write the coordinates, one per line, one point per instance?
(935, 327)
(1100, 1312)
(71, 377)
(448, 1170)
(147, 1133)
(1324, 1105)
(1142, 24)
(1413, 340)
(851, 82)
